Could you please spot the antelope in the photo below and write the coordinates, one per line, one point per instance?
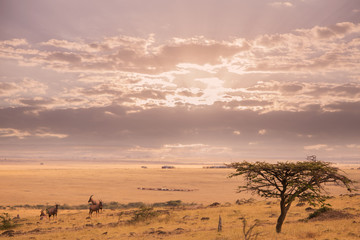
(42, 215)
(94, 208)
(96, 205)
(52, 211)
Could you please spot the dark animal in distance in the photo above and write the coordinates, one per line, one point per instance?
(214, 204)
(52, 211)
(100, 205)
(42, 215)
(94, 208)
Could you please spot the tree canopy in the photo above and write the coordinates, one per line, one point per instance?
(289, 181)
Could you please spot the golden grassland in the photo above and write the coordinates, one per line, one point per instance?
(73, 184)
(188, 223)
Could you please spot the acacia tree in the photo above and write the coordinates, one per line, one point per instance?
(289, 181)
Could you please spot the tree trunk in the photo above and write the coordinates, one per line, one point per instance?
(280, 221)
(284, 209)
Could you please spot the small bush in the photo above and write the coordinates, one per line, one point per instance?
(171, 203)
(311, 235)
(5, 222)
(65, 206)
(113, 205)
(135, 205)
(82, 206)
(248, 230)
(318, 212)
(143, 214)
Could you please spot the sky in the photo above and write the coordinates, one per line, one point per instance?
(180, 80)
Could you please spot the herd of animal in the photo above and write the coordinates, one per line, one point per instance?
(95, 206)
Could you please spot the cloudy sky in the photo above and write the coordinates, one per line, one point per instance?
(180, 80)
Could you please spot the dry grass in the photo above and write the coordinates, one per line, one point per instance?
(46, 184)
(73, 184)
(189, 222)
(120, 184)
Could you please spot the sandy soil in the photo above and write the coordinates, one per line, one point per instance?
(73, 184)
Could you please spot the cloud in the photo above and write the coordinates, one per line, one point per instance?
(272, 40)
(296, 96)
(337, 30)
(352, 106)
(181, 122)
(103, 89)
(44, 133)
(196, 145)
(264, 96)
(321, 48)
(262, 131)
(252, 103)
(198, 53)
(37, 101)
(326, 49)
(163, 97)
(7, 88)
(21, 87)
(188, 93)
(180, 127)
(68, 45)
(291, 88)
(22, 134)
(11, 132)
(281, 4)
(145, 92)
(356, 146)
(316, 147)
(15, 42)
(149, 94)
(70, 58)
(126, 54)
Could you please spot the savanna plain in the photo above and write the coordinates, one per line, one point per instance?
(185, 202)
